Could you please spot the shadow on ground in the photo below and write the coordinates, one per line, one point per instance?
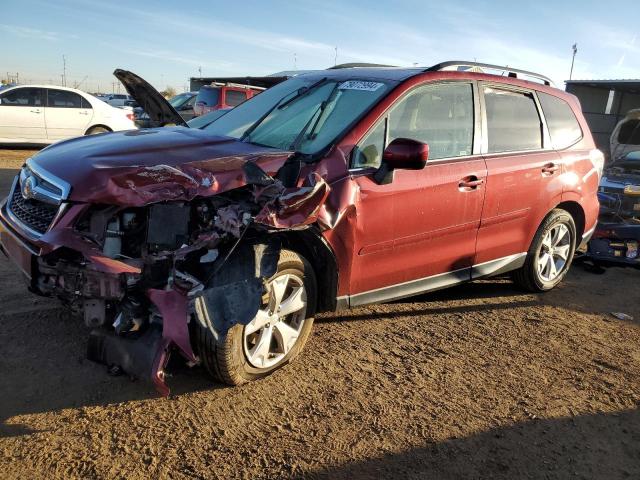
(603, 446)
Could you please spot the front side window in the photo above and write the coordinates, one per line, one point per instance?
(304, 114)
(22, 97)
(63, 99)
(440, 115)
(235, 97)
(513, 123)
(369, 153)
(563, 125)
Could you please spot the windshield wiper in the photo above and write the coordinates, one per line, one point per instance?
(321, 108)
(301, 92)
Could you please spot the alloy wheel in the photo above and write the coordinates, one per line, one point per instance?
(553, 255)
(276, 327)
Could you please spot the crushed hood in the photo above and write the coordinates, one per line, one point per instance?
(157, 107)
(140, 167)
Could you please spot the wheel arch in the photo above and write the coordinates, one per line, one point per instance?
(310, 244)
(101, 125)
(577, 212)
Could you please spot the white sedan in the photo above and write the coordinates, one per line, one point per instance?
(43, 114)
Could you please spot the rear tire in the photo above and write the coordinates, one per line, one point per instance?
(97, 130)
(550, 255)
(228, 357)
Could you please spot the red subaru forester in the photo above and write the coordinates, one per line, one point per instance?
(333, 189)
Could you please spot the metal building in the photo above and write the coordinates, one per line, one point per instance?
(604, 104)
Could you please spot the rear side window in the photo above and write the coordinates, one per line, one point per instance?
(630, 133)
(86, 103)
(209, 96)
(234, 97)
(513, 123)
(563, 124)
(63, 99)
(22, 97)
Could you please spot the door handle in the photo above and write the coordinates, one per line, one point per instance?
(83, 113)
(550, 169)
(470, 183)
(35, 111)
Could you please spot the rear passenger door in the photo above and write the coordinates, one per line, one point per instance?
(523, 175)
(67, 114)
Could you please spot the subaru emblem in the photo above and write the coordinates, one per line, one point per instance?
(28, 188)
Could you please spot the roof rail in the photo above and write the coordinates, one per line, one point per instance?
(511, 72)
(358, 65)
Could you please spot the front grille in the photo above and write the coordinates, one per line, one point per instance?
(34, 214)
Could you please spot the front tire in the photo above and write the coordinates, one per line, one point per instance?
(274, 337)
(550, 255)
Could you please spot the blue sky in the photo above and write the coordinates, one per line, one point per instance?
(166, 42)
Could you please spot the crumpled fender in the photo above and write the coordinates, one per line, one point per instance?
(296, 207)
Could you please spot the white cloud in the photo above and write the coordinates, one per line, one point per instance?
(27, 32)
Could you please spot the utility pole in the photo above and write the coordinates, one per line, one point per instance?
(64, 71)
(575, 50)
(335, 58)
(295, 61)
(200, 71)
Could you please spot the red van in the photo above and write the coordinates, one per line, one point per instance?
(222, 96)
(333, 189)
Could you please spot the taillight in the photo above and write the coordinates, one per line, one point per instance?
(130, 116)
(597, 159)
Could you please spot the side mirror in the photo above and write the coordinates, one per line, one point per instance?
(402, 154)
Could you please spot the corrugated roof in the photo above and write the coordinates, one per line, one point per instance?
(613, 80)
(621, 85)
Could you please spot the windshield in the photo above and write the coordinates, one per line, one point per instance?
(302, 114)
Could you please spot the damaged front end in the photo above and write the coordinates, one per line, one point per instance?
(163, 246)
(616, 239)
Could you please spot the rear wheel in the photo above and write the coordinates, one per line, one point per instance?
(274, 337)
(96, 130)
(550, 254)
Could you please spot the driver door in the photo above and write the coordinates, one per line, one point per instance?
(418, 232)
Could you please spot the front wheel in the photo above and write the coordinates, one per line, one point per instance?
(550, 254)
(274, 337)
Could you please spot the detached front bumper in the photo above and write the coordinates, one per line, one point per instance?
(616, 244)
(15, 247)
(145, 355)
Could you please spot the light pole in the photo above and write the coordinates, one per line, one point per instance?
(575, 50)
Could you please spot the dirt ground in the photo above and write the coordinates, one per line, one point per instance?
(480, 381)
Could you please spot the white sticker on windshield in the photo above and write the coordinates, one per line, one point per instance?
(360, 85)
